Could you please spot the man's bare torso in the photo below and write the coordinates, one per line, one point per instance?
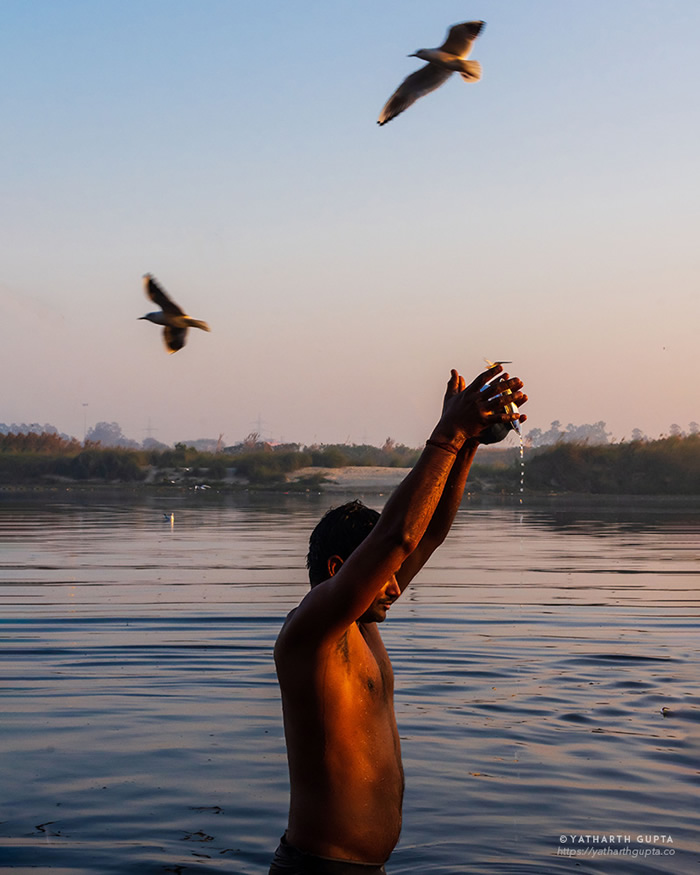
(343, 745)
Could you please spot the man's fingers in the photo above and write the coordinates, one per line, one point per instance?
(512, 384)
(453, 383)
(503, 398)
(504, 383)
(479, 382)
(506, 417)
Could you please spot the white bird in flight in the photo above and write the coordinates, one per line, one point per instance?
(449, 58)
(174, 321)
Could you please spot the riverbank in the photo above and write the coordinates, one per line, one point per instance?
(668, 466)
(365, 478)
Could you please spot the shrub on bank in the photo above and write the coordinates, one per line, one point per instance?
(669, 466)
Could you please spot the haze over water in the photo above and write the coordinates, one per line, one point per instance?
(546, 686)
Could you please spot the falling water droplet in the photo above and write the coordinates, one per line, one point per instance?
(522, 465)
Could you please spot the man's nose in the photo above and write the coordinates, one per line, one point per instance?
(393, 589)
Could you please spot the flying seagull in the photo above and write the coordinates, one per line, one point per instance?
(449, 58)
(175, 323)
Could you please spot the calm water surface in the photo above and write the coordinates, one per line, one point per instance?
(547, 687)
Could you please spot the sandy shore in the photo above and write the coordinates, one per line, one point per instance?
(354, 478)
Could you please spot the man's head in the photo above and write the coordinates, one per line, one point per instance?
(338, 533)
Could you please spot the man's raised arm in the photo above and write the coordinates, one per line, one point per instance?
(451, 498)
(333, 605)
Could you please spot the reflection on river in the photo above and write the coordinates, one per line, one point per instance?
(547, 666)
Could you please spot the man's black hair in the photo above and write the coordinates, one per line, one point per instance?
(338, 533)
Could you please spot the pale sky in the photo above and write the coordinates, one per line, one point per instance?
(547, 214)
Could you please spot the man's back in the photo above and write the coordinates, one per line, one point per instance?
(343, 745)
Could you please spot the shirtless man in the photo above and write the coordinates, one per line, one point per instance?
(335, 676)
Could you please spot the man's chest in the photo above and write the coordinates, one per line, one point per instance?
(359, 662)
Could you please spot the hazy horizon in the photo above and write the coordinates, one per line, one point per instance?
(546, 214)
(104, 432)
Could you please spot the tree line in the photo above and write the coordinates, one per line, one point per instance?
(669, 465)
(35, 457)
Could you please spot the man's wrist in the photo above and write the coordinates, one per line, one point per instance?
(449, 440)
(447, 446)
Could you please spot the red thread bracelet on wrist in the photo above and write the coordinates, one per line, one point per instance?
(447, 447)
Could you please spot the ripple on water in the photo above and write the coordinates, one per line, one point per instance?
(537, 693)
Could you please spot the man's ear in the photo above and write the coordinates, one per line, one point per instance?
(334, 563)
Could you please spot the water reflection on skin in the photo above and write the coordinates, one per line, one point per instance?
(546, 665)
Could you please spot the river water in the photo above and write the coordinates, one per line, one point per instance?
(547, 686)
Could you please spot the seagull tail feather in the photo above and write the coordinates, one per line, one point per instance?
(197, 323)
(470, 71)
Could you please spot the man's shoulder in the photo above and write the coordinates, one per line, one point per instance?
(282, 634)
(297, 639)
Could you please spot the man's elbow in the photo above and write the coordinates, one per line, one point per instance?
(403, 541)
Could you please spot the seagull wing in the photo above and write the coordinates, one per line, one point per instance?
(416, 85)
(460, 38)
(159, 297)
(174, 338)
